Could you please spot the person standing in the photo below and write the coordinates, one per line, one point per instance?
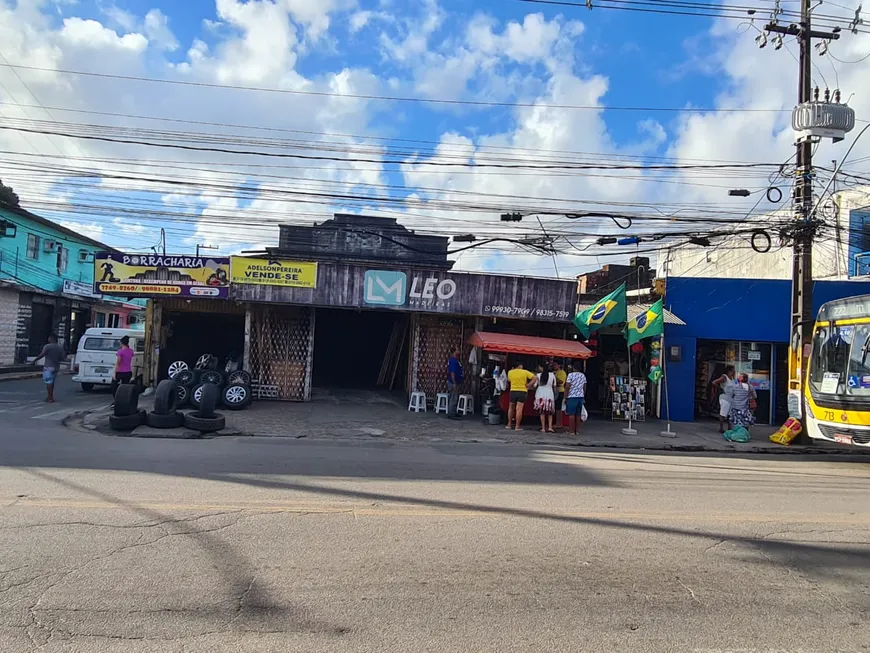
(561, 375)
(722, 384)
(743, 401)
(575, 393)
(520, 381)
(454, 383)
(53, 354)
(123, 372)
(545, 402)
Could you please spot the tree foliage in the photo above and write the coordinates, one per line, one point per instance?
(7, 195)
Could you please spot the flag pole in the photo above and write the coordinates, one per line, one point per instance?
(668, 433)
(629, 430)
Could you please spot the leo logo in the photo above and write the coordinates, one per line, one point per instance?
(384, 288)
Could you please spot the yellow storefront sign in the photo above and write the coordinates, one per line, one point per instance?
(266, 272)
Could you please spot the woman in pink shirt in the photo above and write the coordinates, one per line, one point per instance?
(123, 365)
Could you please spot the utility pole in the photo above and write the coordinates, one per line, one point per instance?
(806, 116)
(199, 247)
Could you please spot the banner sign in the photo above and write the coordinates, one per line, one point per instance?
(153, 275)
(79, 288)
(418, 290)
(270, 272)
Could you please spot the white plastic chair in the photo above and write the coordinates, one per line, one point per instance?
(441, 402)
(465, 405)
(418, 402)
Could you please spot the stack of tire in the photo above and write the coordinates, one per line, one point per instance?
(165, 414)
(235, 386)
(205, 420)
(126, 415)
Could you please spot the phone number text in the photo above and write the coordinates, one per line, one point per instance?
(517, 311)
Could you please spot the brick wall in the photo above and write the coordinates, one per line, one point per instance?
(8, 325)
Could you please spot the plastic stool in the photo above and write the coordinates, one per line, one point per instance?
(418, 402)
(441, 400)
(465, 405)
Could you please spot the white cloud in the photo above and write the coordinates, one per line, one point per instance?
(157, 30)
(359, 19)
(91, 34)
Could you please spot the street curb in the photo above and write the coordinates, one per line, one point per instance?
(20, 376)
(625, 446)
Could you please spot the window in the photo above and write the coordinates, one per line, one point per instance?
(114, 320)
(140, 344)
(102, 344)
(100, 320)
(32, 246)
(62, 259)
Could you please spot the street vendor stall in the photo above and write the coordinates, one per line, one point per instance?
(531, 350)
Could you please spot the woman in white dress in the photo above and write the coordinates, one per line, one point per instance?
(545, 397)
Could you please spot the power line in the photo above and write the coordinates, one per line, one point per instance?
(388, 98)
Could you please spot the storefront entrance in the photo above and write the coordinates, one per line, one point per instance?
(365, 349)
(752, 358)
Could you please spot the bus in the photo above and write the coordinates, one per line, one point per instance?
(837, 391)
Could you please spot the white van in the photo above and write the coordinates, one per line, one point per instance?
(95, 356)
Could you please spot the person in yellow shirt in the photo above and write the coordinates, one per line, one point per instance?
(520, 381)
(561, 375)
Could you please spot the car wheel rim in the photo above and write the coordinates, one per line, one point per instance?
(197, 394)
(203, 361)
(176, 367)
(236, 394)
(238, 377)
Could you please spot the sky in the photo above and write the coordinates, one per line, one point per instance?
(512, 82)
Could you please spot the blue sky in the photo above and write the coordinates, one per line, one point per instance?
(506, 51)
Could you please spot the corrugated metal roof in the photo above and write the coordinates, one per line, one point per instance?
(636, 309)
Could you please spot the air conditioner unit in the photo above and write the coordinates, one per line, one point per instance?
(84, 256)
(49, 245)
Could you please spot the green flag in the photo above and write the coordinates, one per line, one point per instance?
(606, 311)
(647, 324)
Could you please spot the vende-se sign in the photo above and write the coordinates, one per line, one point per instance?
(346, 285)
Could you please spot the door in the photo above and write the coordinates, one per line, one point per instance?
(40, 327)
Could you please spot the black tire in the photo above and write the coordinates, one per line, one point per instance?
(87, 387)
(170, 421)
(126, 422)
(209, 399)
(182, 396)
(197, 422)
(185, 378)
(212, 376)
(126, 400)
(237, 396)
(239, 377)
(166, 397)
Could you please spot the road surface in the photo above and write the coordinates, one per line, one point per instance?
(275, 545)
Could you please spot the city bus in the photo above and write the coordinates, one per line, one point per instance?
(837, 392)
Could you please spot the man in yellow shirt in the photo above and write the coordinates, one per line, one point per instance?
(561, 375)
(520, 381)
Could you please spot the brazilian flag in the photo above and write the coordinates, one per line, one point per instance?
(606, 311)
(648, 324)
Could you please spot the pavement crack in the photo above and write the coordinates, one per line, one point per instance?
(713, 546)
(689, 590)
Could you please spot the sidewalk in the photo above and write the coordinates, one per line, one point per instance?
(370, 415)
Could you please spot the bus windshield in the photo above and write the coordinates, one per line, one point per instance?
(840, 363)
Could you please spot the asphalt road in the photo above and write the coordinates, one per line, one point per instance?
(277, 545)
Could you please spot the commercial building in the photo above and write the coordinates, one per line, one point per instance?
(740, 322)
(353, 302)
(46, 286)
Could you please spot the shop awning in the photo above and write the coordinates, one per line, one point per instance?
(636, 309)
(514, 344)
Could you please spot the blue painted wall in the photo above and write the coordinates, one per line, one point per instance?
(754, 310)
(42, 272)
(859, 222)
